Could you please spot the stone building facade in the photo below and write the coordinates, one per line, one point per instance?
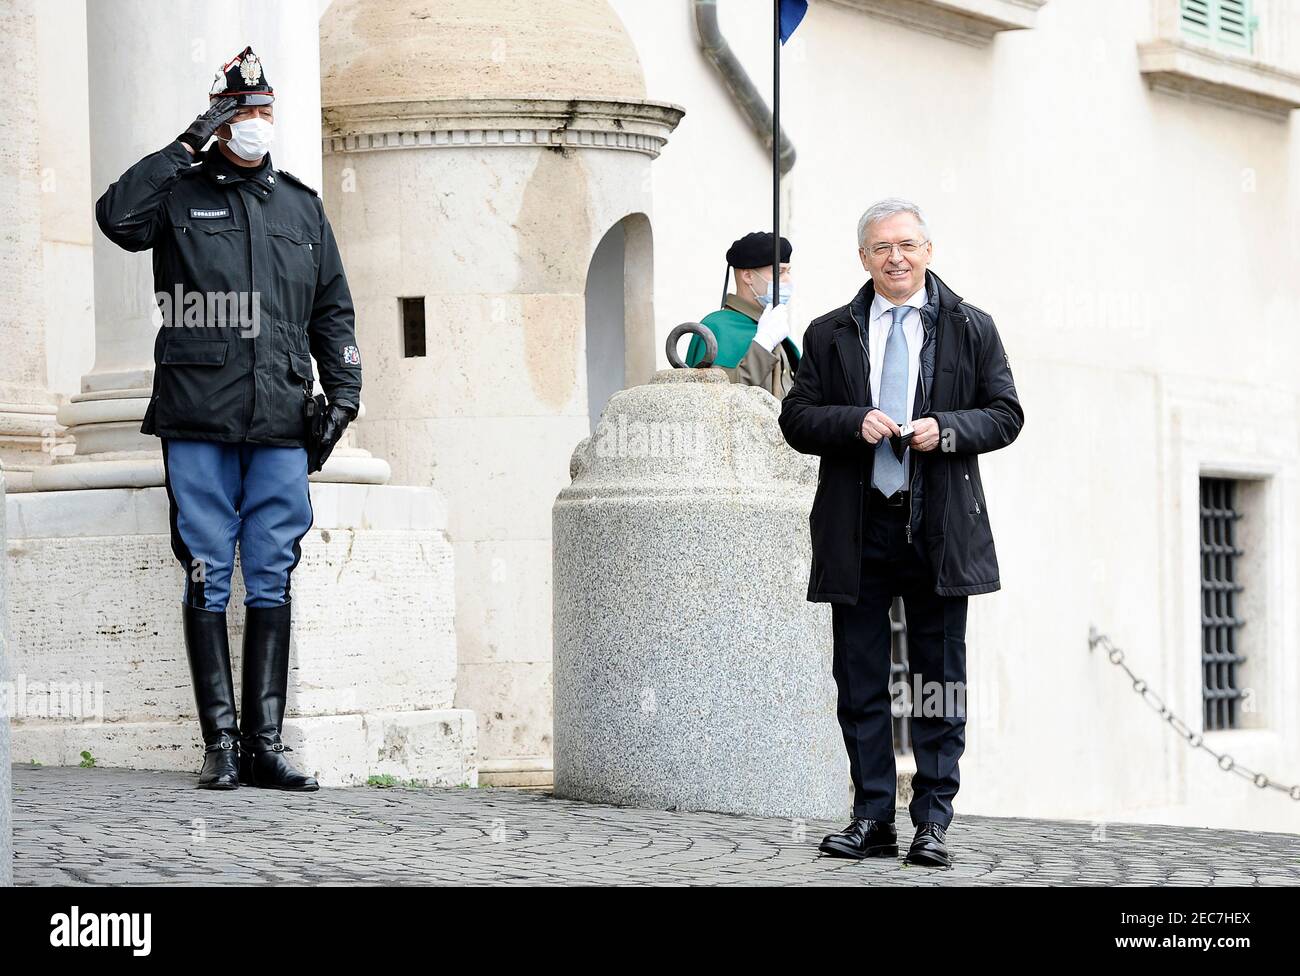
(525, 212)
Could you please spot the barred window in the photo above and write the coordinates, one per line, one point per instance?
(1221, 590)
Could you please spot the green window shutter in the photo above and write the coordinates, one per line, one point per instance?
(1197, 17)
(1225, 23)
(1235, 26)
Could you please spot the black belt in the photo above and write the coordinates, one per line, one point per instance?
(897, 500)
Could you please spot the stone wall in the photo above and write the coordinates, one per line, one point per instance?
(100, 654)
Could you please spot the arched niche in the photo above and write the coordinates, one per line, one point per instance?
(619, 312)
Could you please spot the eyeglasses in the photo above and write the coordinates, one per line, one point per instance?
(907, 247)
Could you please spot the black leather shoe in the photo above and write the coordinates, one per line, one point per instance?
(862, 838)
(929, 847)
(266, 681)
(208, 647)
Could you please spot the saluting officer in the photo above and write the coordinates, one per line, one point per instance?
(249, 281)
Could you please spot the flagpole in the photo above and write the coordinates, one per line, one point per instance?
(776, 152)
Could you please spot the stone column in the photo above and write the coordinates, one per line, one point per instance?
(151, 64)
(26, 407)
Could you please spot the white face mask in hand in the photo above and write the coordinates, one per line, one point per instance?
(251, 138)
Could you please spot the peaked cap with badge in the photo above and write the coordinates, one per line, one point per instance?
(243, 79)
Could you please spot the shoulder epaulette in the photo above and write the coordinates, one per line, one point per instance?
(293, 179)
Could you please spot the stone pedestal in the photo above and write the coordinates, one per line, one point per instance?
(99, 657)
(6, 821)
(690, 671)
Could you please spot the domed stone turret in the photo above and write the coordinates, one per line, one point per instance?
(486, 172)
(375, 51)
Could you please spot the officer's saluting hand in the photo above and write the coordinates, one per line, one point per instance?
(251, 288)
(206, 125)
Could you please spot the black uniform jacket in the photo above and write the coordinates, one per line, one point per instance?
(972, 396)
(249, 282)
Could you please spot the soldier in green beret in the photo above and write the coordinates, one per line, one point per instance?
(753, 331)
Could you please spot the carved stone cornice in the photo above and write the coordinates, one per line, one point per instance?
(968, 21)
(1179, 67)
(640, 126)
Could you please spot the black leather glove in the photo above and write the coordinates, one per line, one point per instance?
(337, 419)
(205, 126)
(330, 430)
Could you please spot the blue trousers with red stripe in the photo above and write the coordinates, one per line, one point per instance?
(223, 495)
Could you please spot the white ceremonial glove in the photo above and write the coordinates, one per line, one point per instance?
(773, 326)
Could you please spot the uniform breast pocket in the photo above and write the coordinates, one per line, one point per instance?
(295, 249)
(211, 252)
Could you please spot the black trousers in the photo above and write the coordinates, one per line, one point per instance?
(936, 645)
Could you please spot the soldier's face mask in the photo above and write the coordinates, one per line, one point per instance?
(765, 299)
(250, 139)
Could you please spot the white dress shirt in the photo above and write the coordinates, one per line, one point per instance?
(881, 321)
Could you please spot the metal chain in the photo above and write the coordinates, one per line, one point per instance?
(1193, 739)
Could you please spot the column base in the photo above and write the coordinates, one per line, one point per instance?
(112, 453)
(29, 436)
(140, 469)
(351, 465)
(124, 469)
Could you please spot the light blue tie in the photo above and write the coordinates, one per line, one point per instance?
(887, 472)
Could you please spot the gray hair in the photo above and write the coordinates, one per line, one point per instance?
(887, 208)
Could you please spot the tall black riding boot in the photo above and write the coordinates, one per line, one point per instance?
(266, 681)
(208, 647)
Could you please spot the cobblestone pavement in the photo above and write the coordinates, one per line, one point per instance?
(107, 827)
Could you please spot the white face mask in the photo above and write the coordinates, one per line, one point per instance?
(251, 138)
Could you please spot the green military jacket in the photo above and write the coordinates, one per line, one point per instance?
(745, 361)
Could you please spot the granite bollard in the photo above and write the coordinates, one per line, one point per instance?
(690, 672)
